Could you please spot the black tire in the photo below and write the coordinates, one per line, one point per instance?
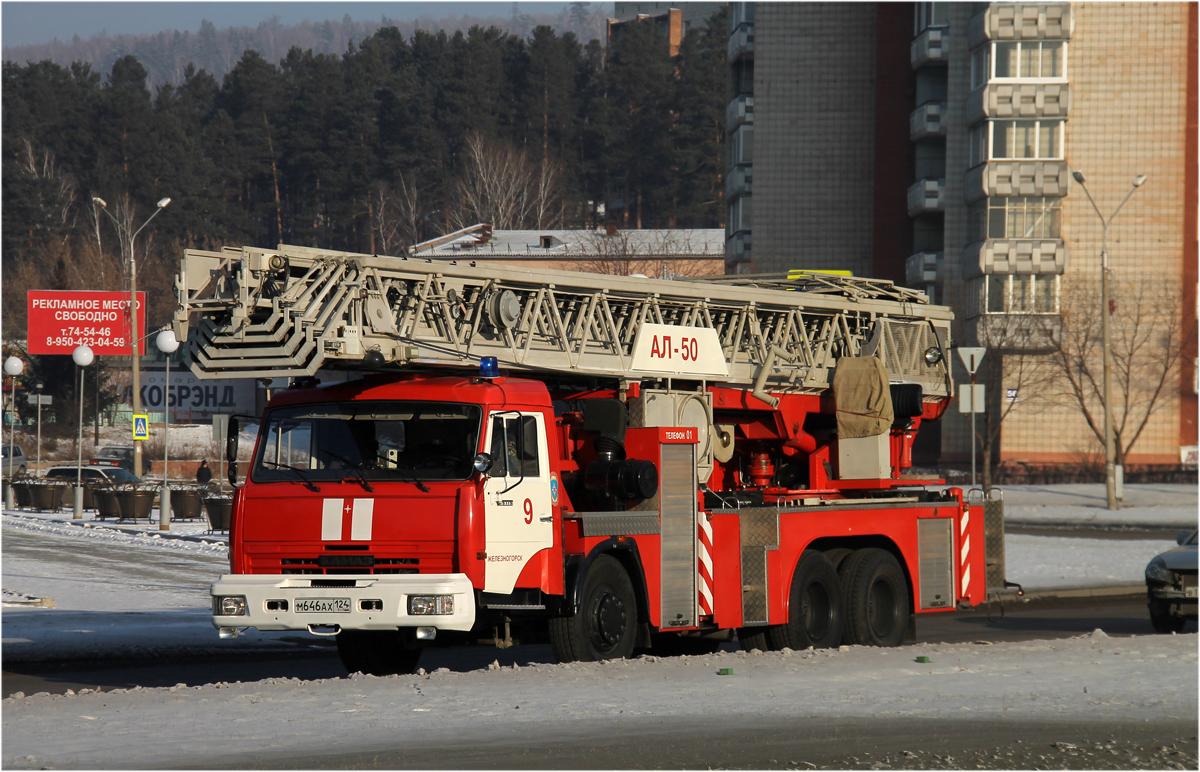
(1163, 620)
(875, 599)
(814, 607)
(380, 653)
(754, 638)
(606, 623)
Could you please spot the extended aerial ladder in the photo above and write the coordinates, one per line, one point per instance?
(255, 312)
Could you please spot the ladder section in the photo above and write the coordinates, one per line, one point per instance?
(253, 312)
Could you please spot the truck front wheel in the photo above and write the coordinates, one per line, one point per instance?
(605, 625)
(381, 653)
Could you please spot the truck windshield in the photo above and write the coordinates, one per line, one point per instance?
(372, 440)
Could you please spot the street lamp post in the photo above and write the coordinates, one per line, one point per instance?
(133, 336)
(1110, 453)
(167, 344)
(39, 385)
(13, 366)
(82, 356)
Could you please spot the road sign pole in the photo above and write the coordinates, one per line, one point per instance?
(974, 410)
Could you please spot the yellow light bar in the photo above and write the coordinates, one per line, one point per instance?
(799, 273)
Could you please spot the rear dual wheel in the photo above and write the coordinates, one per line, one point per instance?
(875, 596)
(814, 610)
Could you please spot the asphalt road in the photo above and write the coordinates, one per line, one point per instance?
(314, 658)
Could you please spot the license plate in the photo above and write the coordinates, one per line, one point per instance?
(322, 605)
(1189, 592)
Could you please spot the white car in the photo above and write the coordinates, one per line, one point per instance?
(95, 473)
(18, 460)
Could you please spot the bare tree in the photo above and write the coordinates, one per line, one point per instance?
(1146, 339)
(395, 216)
(617, 253)
(502, 186)
(1017, 376)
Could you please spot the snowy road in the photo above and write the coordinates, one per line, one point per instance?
(661, 713)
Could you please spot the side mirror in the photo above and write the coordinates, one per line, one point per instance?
(231, 448)
(483, 462)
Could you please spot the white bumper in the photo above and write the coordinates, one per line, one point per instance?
(390, 591)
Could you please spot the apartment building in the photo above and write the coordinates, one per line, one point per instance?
(941, 144)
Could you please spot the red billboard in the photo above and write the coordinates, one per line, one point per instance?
(60, 320)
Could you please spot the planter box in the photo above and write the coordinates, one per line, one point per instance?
(135, 504)
(47, 498)
(219, 512)
(186, 504)
(106, 503)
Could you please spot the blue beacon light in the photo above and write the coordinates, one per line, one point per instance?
(489, 367)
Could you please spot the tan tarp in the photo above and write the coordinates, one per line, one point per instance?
(861, 397)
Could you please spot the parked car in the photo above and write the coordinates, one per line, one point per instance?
(114, 455)
(1171, 585)
(94, 473)
(18, 460)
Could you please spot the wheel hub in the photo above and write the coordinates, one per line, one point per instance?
(610, 619)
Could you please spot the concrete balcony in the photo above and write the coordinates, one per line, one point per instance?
(1021, 21)
(741, 43)
(1019, 100)
(1018, 333)
(1016, 178)
(926, 121)
(739, 111)
(738, 181)
(1023, 256)
(928, 48)
(925, 197)
(923, 268)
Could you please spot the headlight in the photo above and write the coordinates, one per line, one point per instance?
(421, 605)
(1157, 572)
(230, 606)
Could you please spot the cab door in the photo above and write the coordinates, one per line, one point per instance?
(518, 518)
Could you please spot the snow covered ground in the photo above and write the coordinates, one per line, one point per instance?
(1150, 504)
(1106, 680)
(102, 606)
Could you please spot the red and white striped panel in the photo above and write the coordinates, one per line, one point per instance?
(704, 566)
(964, 552)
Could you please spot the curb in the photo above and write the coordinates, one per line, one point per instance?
(1100, 524)
(131, 529)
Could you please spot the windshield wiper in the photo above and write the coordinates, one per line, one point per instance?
(354, 469)
(299, 473)
(411, 478)
(357, 476)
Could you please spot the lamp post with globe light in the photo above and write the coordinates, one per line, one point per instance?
(162, 204)
(168, 344)
(13, 366)
(82, 356)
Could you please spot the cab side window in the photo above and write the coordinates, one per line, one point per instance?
(515, 447)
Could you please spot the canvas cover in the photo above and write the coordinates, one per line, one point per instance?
(861, 397)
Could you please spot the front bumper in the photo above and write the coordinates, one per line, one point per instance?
(391, 591)
(1183, 601)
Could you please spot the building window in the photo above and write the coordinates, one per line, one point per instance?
(1040, 139)
(1019, 217)
(926, 15)
(1020, 293)
(739, 215)
(1030, 60)
(980, 66)
(743, 145)
(977, 144)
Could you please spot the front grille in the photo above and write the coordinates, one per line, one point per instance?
(348, 564)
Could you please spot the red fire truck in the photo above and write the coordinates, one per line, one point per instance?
(608, 463)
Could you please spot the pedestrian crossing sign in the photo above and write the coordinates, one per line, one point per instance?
(141, 426)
